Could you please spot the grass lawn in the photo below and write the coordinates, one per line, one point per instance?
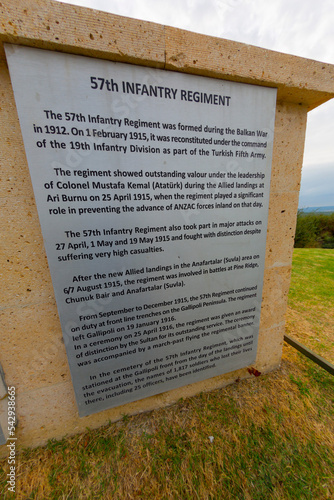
(270, 437)
(310, 317)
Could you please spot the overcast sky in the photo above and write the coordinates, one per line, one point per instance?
(301, 27)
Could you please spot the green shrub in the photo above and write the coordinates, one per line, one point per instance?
(314, 230)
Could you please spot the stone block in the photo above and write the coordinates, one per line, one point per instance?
(25, 273)
(290, 127)
(68, 28)
(15, 178)
(270, 347)
(281, 228)
(298, 80)
(32, 346)
(275, 295)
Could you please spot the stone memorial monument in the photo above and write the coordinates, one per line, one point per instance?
(150, 189)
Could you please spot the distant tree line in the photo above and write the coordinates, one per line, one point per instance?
(314, 230)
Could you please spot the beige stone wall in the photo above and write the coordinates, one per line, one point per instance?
(32, 352)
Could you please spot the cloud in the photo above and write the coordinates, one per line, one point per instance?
(286, 26)
(319, 144)
(317, 186)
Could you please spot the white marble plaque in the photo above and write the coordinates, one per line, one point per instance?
(152, 189)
